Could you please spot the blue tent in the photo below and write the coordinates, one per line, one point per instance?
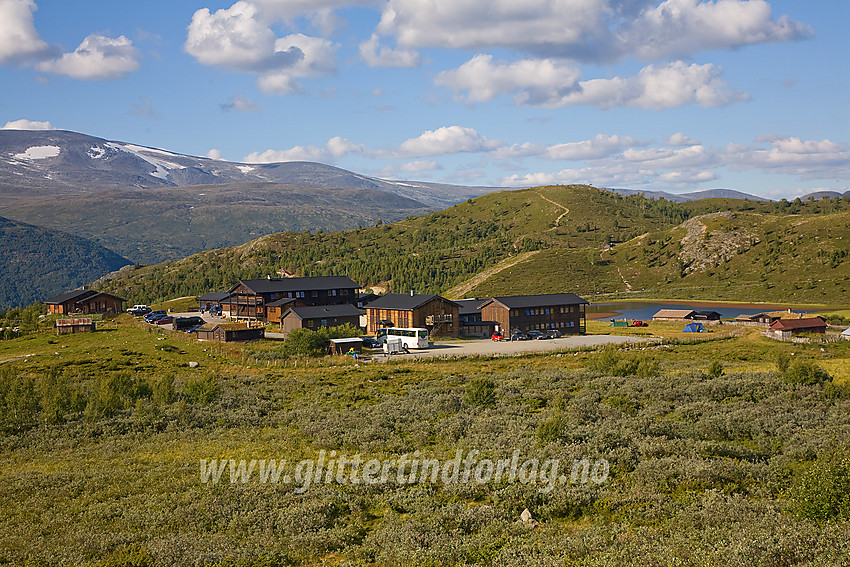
(694, 328)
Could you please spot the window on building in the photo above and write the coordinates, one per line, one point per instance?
(314, 294)
(547, 311)
(324, 322)
(333, 293)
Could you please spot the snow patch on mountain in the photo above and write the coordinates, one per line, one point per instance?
(39, 152)
(96, 152)
(162, 166)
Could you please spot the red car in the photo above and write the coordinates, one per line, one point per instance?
(498, 337)
(164, 320)
(639, 323)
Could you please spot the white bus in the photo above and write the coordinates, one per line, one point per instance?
(410, 338)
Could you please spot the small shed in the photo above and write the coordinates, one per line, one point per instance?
(694, 328)
(707, 316)
(615, 323)
(229, 332)
(70, 326)
(344, 346)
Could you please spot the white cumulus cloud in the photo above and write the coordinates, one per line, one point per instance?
(377, 55)
(599, 147)
(678, 139)
(24, 124)
(240, 104)
(587, 30)
(234, 37)
(535, 81)
(335, 148)
(678, 28)
(317, 58)
(658, 87)
(97, 57)
(444, 140)
(820, 159)
(241, 38)
(555, 83)
(19, 40)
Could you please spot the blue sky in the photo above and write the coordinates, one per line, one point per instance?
(675, 95)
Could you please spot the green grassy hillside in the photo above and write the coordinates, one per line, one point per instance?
(744, 256)
(549, 239)
(429, 253)
(39, 263)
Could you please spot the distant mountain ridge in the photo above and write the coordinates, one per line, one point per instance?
(62, 163)
(692, 196)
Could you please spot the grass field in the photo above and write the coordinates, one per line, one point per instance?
(103, 433)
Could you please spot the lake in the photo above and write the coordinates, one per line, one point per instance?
(646, 309)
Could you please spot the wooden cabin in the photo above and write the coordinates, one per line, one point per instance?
(437, 314)
(564, 312)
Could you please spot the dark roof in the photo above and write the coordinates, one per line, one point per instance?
(275, 285)
(214, 296)
(320, 311)
(792, 324)
(470, 306)
(98, 294)
(405, 301)
(543, 300)
(71, 295)
(280, 302)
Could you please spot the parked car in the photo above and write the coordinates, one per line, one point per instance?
(536, 335)
(498, 337)
(154, 314)
(369, 342)
(518, 336)
(553, 334)
(183, 323)
(215, 310)
(193, 329)
(139, 310)
(165, 320)
(639, 323)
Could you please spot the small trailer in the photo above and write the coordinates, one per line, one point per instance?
(395, 346)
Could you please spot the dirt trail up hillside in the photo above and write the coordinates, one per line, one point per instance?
(462, 289)
(566, 210)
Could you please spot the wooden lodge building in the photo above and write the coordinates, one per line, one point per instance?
(267, 299)
(562, 311)
(472, 323)
(785, 329)
(86, 301)
(316, 316)
(437, 314)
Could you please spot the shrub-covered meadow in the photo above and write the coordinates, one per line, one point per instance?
(709, 465)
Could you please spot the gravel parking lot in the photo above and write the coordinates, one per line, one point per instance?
(488, 348)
